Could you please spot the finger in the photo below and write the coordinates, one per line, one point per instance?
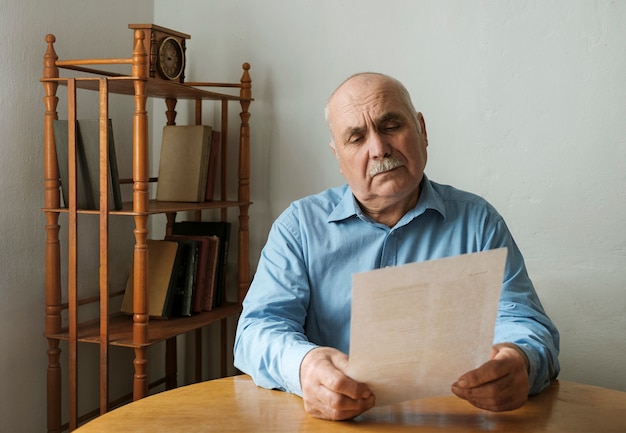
(331, 405)
(333, 376)
(327, 392)
(344, 385)
(496, 398)
(505, 359)
(486, 373)
(490, 396)
(507, 392)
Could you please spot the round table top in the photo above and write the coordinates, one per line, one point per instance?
(236, 404)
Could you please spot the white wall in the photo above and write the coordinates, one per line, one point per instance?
(524, 103)
(82, 29)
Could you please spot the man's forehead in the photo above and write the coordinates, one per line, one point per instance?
(352, 103)
(365, 87)
(355, 117)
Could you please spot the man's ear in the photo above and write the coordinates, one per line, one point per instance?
(334, 150)
(422, 122)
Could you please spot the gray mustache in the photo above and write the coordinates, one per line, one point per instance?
(385, 164)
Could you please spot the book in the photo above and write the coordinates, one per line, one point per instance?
(163, 272)
(183, 164)
(87, 164)
(186, 278)
(206, 268)
(221, 229)
(214, 152)
(212, 266)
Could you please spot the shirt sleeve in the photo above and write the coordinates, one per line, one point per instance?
(521, 318)
(270, 341)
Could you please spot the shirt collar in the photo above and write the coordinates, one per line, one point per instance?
(346, 207)
(429, 199)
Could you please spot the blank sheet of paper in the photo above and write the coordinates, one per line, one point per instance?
(416, 328)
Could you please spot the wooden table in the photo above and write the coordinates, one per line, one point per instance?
(235, 404)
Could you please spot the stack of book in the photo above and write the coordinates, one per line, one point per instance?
(186, 270)
(187, 167)
(87, 154)
(188, 163)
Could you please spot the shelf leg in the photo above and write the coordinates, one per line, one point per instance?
(224, 347)
(140, 379)
(54, 387)
(198, 353)
(171, 364)
(52, 199)
(139, 69)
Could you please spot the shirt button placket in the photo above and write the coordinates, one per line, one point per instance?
(390, 250)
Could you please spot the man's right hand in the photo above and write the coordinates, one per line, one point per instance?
(327, 391)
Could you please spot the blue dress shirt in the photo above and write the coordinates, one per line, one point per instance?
(300, 296)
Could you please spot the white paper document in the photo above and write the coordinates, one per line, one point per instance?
(416, 328)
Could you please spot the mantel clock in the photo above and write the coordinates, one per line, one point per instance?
(166, 52)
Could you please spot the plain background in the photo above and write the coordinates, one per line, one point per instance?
(524, 103)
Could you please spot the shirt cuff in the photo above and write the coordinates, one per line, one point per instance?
(291, 361)
(533, 367)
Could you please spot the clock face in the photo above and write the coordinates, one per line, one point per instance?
(171, 58)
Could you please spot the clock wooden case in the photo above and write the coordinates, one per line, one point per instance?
(166, 52)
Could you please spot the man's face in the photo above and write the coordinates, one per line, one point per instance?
(371, 122)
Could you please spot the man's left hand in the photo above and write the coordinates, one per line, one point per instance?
(498, 385)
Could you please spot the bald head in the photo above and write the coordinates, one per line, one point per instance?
(364, 81)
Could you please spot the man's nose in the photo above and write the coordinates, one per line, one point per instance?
(378, 146)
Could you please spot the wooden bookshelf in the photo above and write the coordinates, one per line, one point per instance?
(110, 328)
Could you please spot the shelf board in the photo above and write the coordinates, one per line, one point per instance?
(124, 85)
(121, 327)
(159, 207)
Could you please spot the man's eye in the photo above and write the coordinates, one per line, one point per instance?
(392, 126)
(355, 139)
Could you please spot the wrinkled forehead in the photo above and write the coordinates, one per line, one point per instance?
(366, 96)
